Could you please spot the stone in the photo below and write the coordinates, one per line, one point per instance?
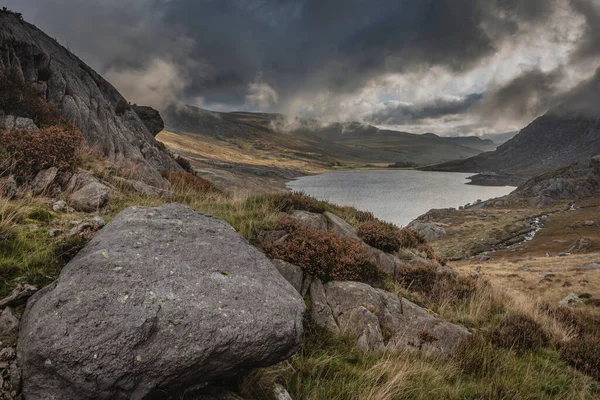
(8, 354)
(19, 296)
(581, 245)
(365, 313)
(590, 223)
(8, 187)
(173, 299)
(485, 258)
(151, 118)
(524, 268)
(87, 226)
(92, 197)
(55, 232)
(386, 263)
(11, 123)
(340, 227)
(589, 267)
(571, 298)
(60, 206)
(43, 181)
(272, 236)
(279, 393)
(292, 273)
(430, 231)
(9, 323)
(311, 220)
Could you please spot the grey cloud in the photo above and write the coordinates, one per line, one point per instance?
(440, 108)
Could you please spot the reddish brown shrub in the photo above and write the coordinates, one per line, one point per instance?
(583, 354)
(297, 201)
(364, 216)
(31, 152)
(410, 239)
(23, 99)
(185, 181)
(381, 235)
(322, 254)
(520, 333)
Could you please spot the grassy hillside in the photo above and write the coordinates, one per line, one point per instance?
(264, 136)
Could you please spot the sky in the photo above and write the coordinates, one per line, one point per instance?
(452, 67)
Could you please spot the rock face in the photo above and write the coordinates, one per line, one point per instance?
(379, 319)
(428, 230)
(83, 97)
(151, 118)
(173, 299)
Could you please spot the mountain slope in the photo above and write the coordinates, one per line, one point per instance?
(567, 134)
(82, 97)
(338, 143)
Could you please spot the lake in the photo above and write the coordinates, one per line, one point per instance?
(397, 196)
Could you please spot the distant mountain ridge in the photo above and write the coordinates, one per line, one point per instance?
(351, 142)
(567, 134)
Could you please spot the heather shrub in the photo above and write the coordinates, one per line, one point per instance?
(381, 235)
(297, 201)
(520, 333)
(410, 239)
(322, 254)
(583, 354)
(31, 152)
(185, 164)
(23, 99)
(418, 278)
(185, 181)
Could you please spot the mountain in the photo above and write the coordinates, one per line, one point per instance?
(566, 134)
(348, 144)
(474, 142)
(83, 97)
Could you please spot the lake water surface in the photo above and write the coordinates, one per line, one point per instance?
(396, 196)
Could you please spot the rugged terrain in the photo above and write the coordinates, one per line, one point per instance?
(566, 134)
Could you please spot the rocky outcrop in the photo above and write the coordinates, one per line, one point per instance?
(151, 118)
(160, 301)
(378, 319)
(84, 98)
(312, 220)
(430, 231)
(92, 197)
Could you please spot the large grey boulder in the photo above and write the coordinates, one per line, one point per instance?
(43, 181)
(162, 299)
(340, 227)
(378, 319)
(84, 98)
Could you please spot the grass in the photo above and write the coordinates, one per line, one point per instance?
(328, 367)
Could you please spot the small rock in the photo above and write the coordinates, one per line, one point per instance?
(564, 254)
(590, 223)
(571, 298)
(279, 393)
(87, 226)
(18, 296)
(43, 181)
(548, 255)
(341, 227)
(55, 232)
(8, 354)
(60, 206)
(8, 187)
(524, 268)
(9, 323)
(588, 267)
(272, 236)
(92, 197)
(292, 273)
(485, 258)
(312, 220)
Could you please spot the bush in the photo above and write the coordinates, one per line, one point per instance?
(410, 239)
(185, 164)
(520, 333)
(185, 182)
(31, 152)
(381, 235)
(583, 354)
(322, 254)
(23, 99)
(297, 201)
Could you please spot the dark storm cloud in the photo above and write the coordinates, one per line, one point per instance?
(218, 50)
(403, 114)
(532, 93)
